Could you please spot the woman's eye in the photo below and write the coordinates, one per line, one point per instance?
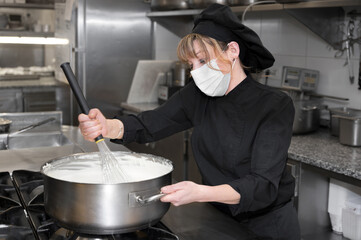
(202, 61)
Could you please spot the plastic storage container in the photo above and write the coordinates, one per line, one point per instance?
(351, 219)
(339, 193)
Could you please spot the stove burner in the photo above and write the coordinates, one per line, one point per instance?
(25, 176)
(16, 233)
(151, 233)
(6, 203)
(9, 192)
(30, 185)
(14, 216)
(5, 179)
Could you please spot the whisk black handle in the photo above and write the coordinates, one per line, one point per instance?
(77, 91)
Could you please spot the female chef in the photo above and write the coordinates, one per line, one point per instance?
(241, 128)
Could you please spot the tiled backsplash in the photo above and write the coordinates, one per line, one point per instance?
(295, 45)
(292, 45)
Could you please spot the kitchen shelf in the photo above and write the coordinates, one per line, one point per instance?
(26, 5)
(174, 13)
(264, 7)
(8, 33)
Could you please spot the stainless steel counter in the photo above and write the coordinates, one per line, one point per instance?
(41, 82)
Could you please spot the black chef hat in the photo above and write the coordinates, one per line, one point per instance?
(219, 22)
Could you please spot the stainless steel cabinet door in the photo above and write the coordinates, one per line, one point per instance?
(11, 100)
(39, 100)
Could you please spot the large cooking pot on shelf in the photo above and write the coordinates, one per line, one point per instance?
(307, 116)
(166, 5)
(242, 2)
(96, 208)
(204, 3)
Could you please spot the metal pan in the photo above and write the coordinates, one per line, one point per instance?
(101, 209)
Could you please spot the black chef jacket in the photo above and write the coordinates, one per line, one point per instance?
(240, 139)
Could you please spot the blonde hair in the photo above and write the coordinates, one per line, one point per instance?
(185, 49)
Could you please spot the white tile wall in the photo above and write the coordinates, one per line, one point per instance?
(282, 34)
(292, 45)
(165, 43)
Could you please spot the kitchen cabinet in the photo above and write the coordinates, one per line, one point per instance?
(43, 94)
(316, 158)
(38, 99)
(312, 201)
(11, 100)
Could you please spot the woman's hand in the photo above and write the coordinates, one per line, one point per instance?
(93, 124)
(181, 193)
(188, 192)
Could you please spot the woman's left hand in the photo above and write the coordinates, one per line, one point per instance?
(181, 193)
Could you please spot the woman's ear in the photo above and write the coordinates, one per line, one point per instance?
(233, 50)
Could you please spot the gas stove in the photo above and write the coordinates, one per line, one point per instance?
(23, 216)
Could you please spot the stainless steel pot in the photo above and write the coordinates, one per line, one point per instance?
(341, 111)
(307, 117)
(204, 3)
(164, 5)
(104, 208)
(350, 130)
(180, 74)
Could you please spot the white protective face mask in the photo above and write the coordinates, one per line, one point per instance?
(210, 81)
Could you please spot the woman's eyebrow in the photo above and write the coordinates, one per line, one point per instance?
(199, 52)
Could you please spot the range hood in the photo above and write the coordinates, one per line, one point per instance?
(325, 22)
(323, 17)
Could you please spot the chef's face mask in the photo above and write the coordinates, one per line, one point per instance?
(210, 80)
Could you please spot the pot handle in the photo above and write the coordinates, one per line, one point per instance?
(143, 200)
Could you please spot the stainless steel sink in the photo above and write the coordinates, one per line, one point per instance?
(33, 140)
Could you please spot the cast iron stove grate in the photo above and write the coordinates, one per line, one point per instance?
(14, 225)
(157, 232)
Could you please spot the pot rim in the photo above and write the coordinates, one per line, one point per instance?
(46, 165)
(348, 118)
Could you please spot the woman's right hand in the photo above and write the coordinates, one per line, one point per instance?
(93, 124)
